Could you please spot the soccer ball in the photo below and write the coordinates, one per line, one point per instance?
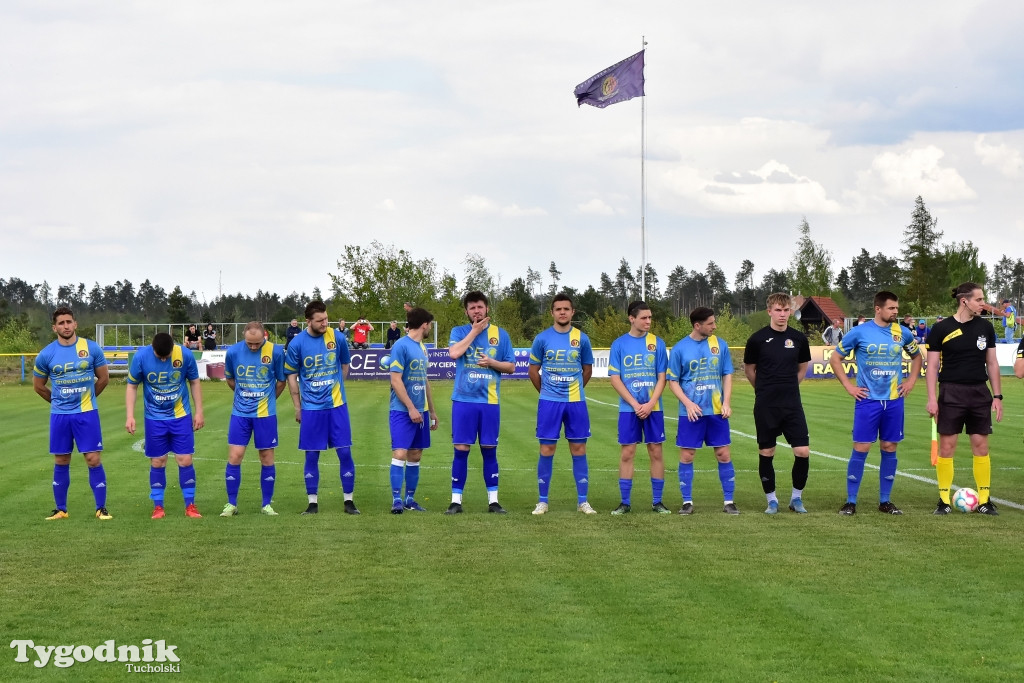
(965, 500)
(385, 362)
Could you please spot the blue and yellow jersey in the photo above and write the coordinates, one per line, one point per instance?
(317, 361)
(699, 367)
(638, 361)
(561, 357)
(879, 354)
(1010, 316)
(409, 359)
(72, 374)
(474, 384)
(164, 382)
(256, 374)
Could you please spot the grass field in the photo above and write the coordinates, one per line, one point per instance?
(480, 597)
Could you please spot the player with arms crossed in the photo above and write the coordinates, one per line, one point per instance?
(411, 398)
(636, 366)
(481, 351)
(316, 366)
(775, 362)
(77, 371)
(878, 347)
(168, 374)
(561, 362)
(700, 376)
(254, 370)
(961, 357)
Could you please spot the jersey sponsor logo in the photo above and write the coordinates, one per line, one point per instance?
(714, 350)
(265, 359)
(768, 339)
(574, 342)
(897, 338)
(652, 347)
(176, 363)
(789, 343)
(492, 341)
(82, 353)
(982, 343)
(331, 346)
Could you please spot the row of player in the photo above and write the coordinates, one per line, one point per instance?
(698, 372)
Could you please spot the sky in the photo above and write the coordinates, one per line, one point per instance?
(237, 146)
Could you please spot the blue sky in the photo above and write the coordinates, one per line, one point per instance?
(191, 141)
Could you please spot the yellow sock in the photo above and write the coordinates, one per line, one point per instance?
(944, 472)
(982, 476)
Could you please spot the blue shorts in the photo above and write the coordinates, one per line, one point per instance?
(874, 420)
(470, 420)
(170, 436)
(707, 430)
(70, 429)
(323, 429)
(551, 415)
(406, 435)
(264, 429)
(633, 430)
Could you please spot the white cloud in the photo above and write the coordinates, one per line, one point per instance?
(595, 207)
(915, 172)
(478, 204)
(1004, 158)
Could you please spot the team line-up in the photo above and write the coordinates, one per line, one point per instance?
(962, 379)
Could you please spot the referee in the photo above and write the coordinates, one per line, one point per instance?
(961, 358)
(775, 362)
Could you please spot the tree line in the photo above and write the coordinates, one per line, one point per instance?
(376, 280)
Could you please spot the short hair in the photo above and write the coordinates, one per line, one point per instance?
(473, 297)
(779, 299)
(253, 325)
(634, 308)
(883, 296)
(163, 343)
(964, 289)
(417, 317)
(700, 314)
(62, 310)
(561, 296)
(314, 307)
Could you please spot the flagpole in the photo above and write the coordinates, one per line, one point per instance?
(643, 189)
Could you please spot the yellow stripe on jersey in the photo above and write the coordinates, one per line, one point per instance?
(952, 335)
(179, 363)
(262, 408)
(82, 351)
(716, 396)
(575, 389)
(894, 383)
(492, 386)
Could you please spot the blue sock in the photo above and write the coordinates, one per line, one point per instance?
(657, 488)
(397, 475)
(157, 485)
(854, 473)
(727, 475)
(412, 480)
(268, 475)
(545, 465)
(347, 469)
(625, 489)
(886, 476)
(187, 481)
(460, 468)
(232, 482)
(490, 458)
(686, 481)
(581, 473)
(312, 472)
(98, 482)
(61, 482)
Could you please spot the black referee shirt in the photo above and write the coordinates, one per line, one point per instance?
(962, 348)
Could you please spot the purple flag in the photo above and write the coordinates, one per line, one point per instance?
(617, 83)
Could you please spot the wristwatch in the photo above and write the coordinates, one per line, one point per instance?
(999, 396)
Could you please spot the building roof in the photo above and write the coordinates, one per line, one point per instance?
(829, 310)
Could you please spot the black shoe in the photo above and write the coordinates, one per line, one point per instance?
(623, 509)
(350, 508)
(311, 510)
(942, 508)
(731, 509)
(687, 509)
(660, 508)
(454, 509)
(848, 509)
(495, 508)
(888, 508)
(988, 508)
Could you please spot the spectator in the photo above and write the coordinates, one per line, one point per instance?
(1009, 320)
(394, 334)
(360, 334)
(921, 331)
(210, 338)
(192, 338)
(343, 330)
(908, 322)
(291, 331)
(408, 306)
(860, 319)
(834, 334)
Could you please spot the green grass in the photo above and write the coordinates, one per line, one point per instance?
(479, 597)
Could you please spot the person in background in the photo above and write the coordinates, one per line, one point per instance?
(210, 338)
(192, 338)
(290, 332)
(394, 334)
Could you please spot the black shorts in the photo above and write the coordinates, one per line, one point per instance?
(770, 420)
(964, 405)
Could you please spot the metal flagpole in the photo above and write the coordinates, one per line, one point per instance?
(643, 188)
